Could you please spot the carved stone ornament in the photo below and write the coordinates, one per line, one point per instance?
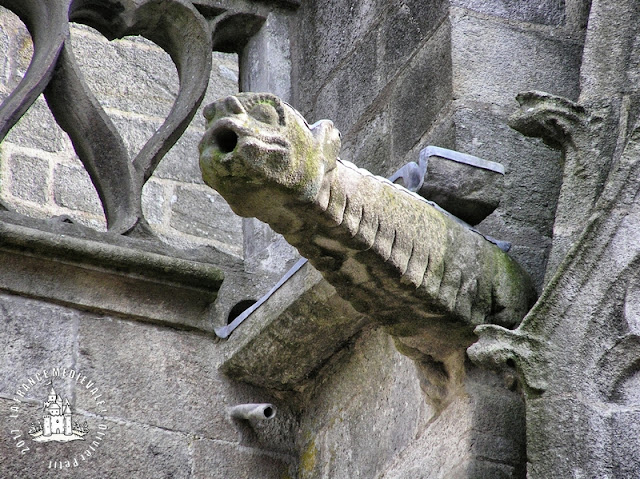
(188, 31)
(577, 351)
(389, 252)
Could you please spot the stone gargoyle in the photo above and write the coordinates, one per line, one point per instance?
(389, 252)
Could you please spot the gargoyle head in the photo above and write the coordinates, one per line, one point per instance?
(258, 149)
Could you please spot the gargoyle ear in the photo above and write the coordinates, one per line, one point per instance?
(328, 137)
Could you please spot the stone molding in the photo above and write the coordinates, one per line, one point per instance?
(62, 262)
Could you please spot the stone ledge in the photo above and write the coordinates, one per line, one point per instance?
(287, 339)
(72, 265)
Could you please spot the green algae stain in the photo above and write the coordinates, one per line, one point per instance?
(308, 459)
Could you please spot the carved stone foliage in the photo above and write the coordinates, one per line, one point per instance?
(577, 352)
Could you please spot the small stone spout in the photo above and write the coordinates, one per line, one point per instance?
(253, 412)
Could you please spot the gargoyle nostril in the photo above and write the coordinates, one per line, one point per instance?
(226, 140)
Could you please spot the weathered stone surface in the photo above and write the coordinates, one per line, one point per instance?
(336, 25)
(481, 430)
(155, 199)
(349, 413)
(546, 12)
(266, 59)
(29, 178)
(178, 368)
(526, 213)
(126, 449)
(223, 460)
(427, 77)
(17, 46)
(346, 97)
(131, 277)
(141, 77)
(369, 146)
(576, 351)
(409, 27)
(38, 129)
(452, 445)
(154, 410)
(356, 228)
(265, 251)
(306, 310)
(387, 31)
(518, 60)
(153, 452)
(194, 210)
(181, 163)
(73, 189)
(34, 335)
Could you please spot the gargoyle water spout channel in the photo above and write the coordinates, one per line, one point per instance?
(390, 253)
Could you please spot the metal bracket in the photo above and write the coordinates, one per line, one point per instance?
(225, 331)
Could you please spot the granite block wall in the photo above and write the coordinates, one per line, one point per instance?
(395, 76)
(165, 404)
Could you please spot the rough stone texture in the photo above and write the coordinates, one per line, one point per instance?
(576, 351)
(456, 66)
(547, 12)
(210, 218)
(403, 53)
(69, 264)
(29, 178)
(305, 310)
(166, 417)
(367, 236)
(216, 459)
(164, 358)
(112, 68)
(532, 181)
(412, 440)
(73, 189)
(139, 66)
(33, 333)
(518, 60)
(387, 250)
(348, 412)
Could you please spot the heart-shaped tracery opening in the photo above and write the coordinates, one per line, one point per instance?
(136, 83)
(176, 27)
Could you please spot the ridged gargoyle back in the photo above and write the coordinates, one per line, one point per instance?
(389, 252)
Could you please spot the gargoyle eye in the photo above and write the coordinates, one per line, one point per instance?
(265, 113)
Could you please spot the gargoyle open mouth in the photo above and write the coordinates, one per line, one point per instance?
(225, 139)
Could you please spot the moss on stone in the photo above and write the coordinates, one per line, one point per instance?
(308, 458)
